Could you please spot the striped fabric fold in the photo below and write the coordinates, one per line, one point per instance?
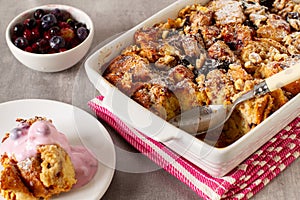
(243, 182)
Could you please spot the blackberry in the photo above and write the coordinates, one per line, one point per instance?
(293, 15)
(212, 64)
(223, 64)
(187, 21)
(267, 3)
(184, 62)
(250, 24)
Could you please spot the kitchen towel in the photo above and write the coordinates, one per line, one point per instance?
(243, 182)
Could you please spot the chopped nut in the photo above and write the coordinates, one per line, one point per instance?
(239, 84)
(255, 58)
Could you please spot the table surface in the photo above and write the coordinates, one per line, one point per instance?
(110, 18)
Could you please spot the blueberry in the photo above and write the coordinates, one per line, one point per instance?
(18, 29)
(82, 33)
(38, 14)
(21, 42)
(48, 21)
(16, 133)
(57, 42)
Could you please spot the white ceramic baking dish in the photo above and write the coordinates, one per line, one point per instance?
(215, 161)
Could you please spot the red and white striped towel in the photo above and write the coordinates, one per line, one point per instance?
(241, 183)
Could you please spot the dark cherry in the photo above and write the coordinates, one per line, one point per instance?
(55, 30)
(18, 29)
(78, 25)
(38, 14)
(21, 42)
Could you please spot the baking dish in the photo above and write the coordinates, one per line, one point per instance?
(215, 161)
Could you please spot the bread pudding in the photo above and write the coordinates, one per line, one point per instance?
(38, 162)
(210, 55)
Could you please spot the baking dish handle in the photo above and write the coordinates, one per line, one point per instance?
(103, 86)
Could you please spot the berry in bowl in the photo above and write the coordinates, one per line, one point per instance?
(50, 38)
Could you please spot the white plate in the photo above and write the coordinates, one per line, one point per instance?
(80, 128)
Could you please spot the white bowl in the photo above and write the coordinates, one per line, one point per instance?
(57, 61)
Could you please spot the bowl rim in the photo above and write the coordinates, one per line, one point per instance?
(49, 6)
